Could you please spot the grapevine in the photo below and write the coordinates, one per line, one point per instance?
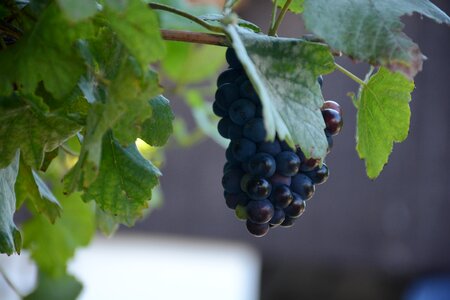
(85, 118)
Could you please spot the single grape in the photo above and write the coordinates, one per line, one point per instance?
(288, 222)
(272, 148)
(231, 165)
(223, 127)
(244, 181)
(244, 166)
(332, 105)
(281, 196)
(247, 91)
(241, 79)
(259, 111)
(262, 165)
(227, 94)
(260, 211)
(218, 111)
(285, 146)
(229, 154)
(228, 76)
(288, 163)
(277, 179)
(302, 185)
(241, 212)
(242, 111)
(232, 59)
(296, 208)
(233, 200)
(278, 217)
(242, 149)
(319, 175)
(258, 188)
(333, 121)
(307, 164)
(257, 230)
(231, 181)
(234, 131)
(254, 130)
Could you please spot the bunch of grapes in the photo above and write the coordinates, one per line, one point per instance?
(266, 183)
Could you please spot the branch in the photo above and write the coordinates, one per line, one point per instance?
(274, 29)
(195, 37)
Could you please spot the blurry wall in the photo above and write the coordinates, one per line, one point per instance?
(398, 223)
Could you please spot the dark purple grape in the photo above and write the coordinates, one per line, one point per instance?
(241, 212)
(242, 111)
(231, 165)
(277, 179)
(258, 188)
(247, 91)
(229, 154)
(307, 164)
(242, 149)
(241, 79)
(255, 130)
(232, 200)
(288, 163)
(232, 59)
(259, 111)
(278, 217)
(272, 148)
(302, 185)
(257, 230)
(244, 166)
(319, 175)
(260, 211)
(262, 165)
(223, 127)
(228, 76)
(231, 181)
(227, 94)
(332, 105)
(285, 146)
(288, 222)
(296, 208)
(333, 121)
(281, 196)
(234, 131)
(218, 111)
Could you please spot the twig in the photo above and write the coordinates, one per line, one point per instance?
(350, 74)
(274, 29)
(186, 15)
(195, 37)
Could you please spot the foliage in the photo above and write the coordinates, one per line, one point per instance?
(80, 84)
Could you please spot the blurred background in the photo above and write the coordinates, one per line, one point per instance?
(358, 239)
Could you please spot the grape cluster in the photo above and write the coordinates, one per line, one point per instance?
(266, 183)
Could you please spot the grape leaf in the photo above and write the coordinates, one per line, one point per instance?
(77, 10)
(45, 52)
(383, 117)
(27, 127)
(65, 287)
(105, 222)
(371, 30)
(124, 183)
(284, 73)
(30, 186)
(52, 245)
(10, 238)
(137, 28)
(157, 129)
(296, 6)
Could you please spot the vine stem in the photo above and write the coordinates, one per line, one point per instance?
(186, 15)
(11, 284)
(195, 37)
(273, 15)
(274, 29)
(349, 74)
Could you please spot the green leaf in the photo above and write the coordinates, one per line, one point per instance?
(296, 6)
(52, 245)
(65, 287)
(383, 117)
(157, 129)
(203, 62)
(79, 9)
(10, 238)
(46, 53)
(124, 183)
(371, 30)
(31, 187)
(25, 126)
(137, 27)
(284, 73)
